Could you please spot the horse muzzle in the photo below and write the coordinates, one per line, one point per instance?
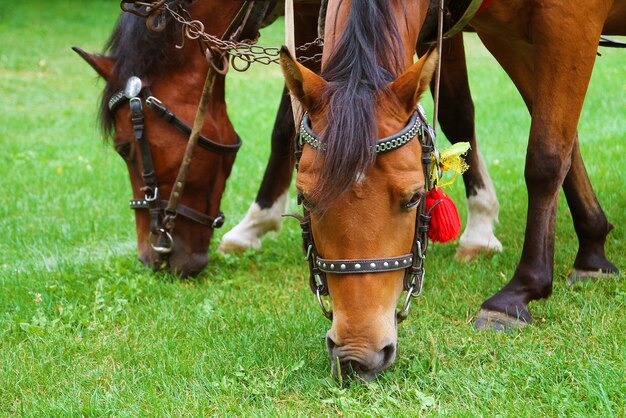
(365, 363)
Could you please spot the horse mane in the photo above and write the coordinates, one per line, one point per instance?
(137, 51)
(366, 59)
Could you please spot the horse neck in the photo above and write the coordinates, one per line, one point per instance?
(409, 16)
(188, 77)
(215, 15)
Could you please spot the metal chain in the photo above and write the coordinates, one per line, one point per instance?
(242, 54)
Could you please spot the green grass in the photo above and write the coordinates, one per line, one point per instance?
(86, 330)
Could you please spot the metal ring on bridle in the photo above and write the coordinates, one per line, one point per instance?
(155, 195)
(328, 314)
(219, 221)
(211, 59)
(404, 312)
(421, 279)
(169, 243)
(244, 58)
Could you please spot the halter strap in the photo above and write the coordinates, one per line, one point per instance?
(162, 111)
(183, 210)
(366, 265)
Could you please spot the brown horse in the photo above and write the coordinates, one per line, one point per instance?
(353, 198)
(174, 77)
(363, 206)
(548, 49)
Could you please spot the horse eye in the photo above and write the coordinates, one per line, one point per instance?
(414, 201)
(124, 150)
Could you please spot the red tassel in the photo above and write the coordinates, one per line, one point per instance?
(445, 224)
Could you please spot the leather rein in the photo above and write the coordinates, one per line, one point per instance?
(135, 94)
(412, 262)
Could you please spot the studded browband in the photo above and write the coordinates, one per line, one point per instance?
(390, 143)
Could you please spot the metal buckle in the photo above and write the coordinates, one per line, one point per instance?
(154, 100)
(410, 294)
(154, 196)
(136, 109)
(155, 104)
(404, 312)
(421, 284)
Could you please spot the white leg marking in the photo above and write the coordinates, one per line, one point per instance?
(482, 214)
(256, 223)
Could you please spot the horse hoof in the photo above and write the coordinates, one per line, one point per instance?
(467, 253)
(579, 276)
(236, 246)
(498, 321)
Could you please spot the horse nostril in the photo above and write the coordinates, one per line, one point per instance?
(330, 344)
(389, 354)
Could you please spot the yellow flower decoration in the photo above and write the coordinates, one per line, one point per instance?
(449, 159)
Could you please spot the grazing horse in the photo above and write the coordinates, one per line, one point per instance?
(548, 48)
(170, 84)
(457, 122)
(363, 195)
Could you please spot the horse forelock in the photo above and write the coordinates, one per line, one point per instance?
(137, 51)
(366, 59)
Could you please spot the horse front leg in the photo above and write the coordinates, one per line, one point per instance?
(265, 213)
(456, 117)
(551, 70)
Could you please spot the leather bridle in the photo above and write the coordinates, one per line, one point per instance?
(245, 25)
(412, 262)
(136, 93)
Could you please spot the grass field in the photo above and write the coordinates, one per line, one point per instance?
(86, 330)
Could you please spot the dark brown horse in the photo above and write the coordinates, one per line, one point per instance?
(174, 77)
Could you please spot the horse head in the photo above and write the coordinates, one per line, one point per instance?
(361, 216)
(149, 103)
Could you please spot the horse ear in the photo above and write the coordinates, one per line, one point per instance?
(303, 83)
(410, 86)
(101, 63)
